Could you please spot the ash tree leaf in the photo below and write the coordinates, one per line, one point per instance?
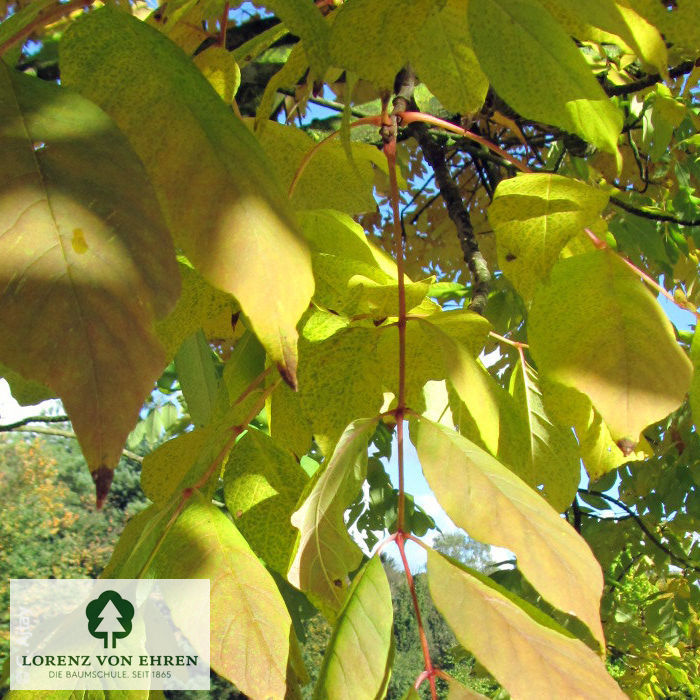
(197, 370)
(534, 216)
(536, 68)
(546, 453)
(494, 506)
(222, 203)
(595, 327)
(85, 251)
(443, 58)
(250, 625)
(369, 38)
(357, 662)
(262, 484)
(325, 553)
(524, 650)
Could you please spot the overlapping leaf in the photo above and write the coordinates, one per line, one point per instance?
(325, 553)
(223, 206)
(620, 348)
(262, 484)
(536, 68)
(534, 216)
(493, 505)
(695, 385)
(357, 662)
(522, 648)
(86, 263)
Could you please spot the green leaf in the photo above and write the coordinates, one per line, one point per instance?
(595, 327)
(605, 21)
(250, 625)
(443, 57)
(546, 453)
(527, 656)
(221, 71)
(534, 216)
(695, 385)
(330, 180)
(325, 553)
(369, 38)
(262, 484)
(83, 249)
(536, 68)
(251, 49)
(306, 21)
(200, 306)
(24, 391)
(196, 366)
(496, 507)
(357, 662)
(12, 27)
(210, 174)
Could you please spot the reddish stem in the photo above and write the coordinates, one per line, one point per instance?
(410, 117)
(224, 25)
(421, 630)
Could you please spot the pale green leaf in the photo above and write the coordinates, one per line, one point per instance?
(534, 216)
(606, 21)
(443, 58)
(325, 553)
(197, 370)
(288, 425)
(200, 306)
(357, 662)
(221, 71)
(83, 247)
(595, 327)
(250, 625)
(212, 179)
(262, 484)
(369, 38)
(330, 180)
(528, 657)
(25, 391)
(305, 20)
(545, 454)
(679, 24)
(496, 507)
(252, 48)
(695, 385)
(536, 68)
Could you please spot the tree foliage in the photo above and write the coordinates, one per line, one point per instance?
(497, 176)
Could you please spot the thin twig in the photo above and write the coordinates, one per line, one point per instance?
(643, 213)
(674, 557)
(34, 419)
(620, 90)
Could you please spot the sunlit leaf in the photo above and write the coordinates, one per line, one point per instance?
(494, 506)
(325, 553)
(212, 180)
(358, 658)
(620, 348)
(527, 654)
(83, 250)
(221, 70)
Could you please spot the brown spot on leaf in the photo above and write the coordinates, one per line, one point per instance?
(289, 376)
(510, 257)
(338, 583)
(627, 446)
(239, 513)
(103, 480)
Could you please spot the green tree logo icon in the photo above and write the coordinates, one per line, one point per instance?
(109, 614)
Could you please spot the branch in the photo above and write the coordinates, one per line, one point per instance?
(681, 561)
(33, 419)
(651, 215)
(621, 90)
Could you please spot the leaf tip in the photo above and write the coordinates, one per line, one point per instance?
(289, 375)
(103, 480)
(627, 446)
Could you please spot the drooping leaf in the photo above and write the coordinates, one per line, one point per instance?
(494, 506)
(534, 216)
(84, 250)
(536, 68)
(546, 454)
(250, 625)
(221, 70)
(357, 662)
(325, 553)
(368, 38)
(525, 652)
(596, 328)
(197, 371)
(262, 484)
(604, 21)
(443, 58)
(212, 179)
